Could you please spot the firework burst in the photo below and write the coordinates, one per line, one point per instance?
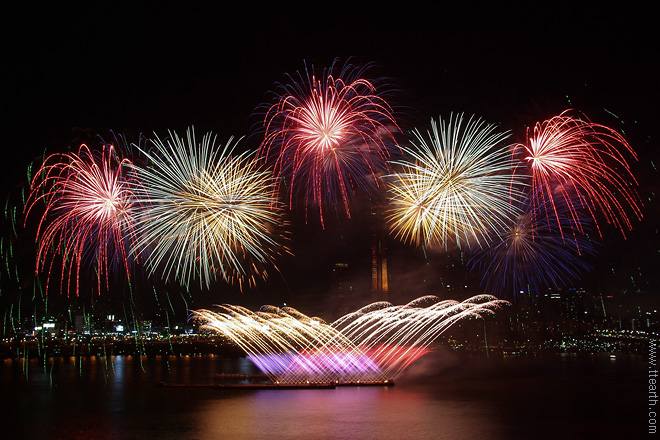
(88, 216)
(456, 187)
(209, 212)
(329, 136)
(532, 253)
(581, 165)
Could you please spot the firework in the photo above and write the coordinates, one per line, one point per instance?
(329, 136)
(285, 344)
(395, 336)
(88, 215)
(456, 187)
(207, 212)
(375, 343)
(532, 253)
(583, 164)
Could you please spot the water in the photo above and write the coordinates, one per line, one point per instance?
(442, 396)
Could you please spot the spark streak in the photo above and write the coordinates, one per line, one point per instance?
(207, 212)
(532, 253)
(329, 135)
(375, 343)
(457, 186)
(582, 163)
(88, 216)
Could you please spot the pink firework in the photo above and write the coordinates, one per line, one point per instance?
(584, 164)
(87, 217)
(329, 137)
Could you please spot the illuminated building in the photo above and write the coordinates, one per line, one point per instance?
(380, 290)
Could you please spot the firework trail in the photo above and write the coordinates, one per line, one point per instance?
(457, 185)
(532, 253)
(14, 279)
(329, 137)
(88, 215)
(396, 336)
(207, 212)
(582, 165)
(375, 343)
(285, 344)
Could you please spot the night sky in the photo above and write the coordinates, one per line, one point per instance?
(153, 67)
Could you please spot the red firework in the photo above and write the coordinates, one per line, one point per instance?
(328, 137)
(87, 216)
(584, 164)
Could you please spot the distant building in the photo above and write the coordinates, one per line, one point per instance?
(380, 285)
(341, 290)
(80, 324)
(380, 289)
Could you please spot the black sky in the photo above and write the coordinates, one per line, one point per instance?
(147, 67)
(154, 66)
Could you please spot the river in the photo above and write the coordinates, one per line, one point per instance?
(445, 395)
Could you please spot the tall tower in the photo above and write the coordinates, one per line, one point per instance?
(380, 290)
(379, 278)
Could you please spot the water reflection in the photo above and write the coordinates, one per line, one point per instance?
(442, 397)
(344, 413)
